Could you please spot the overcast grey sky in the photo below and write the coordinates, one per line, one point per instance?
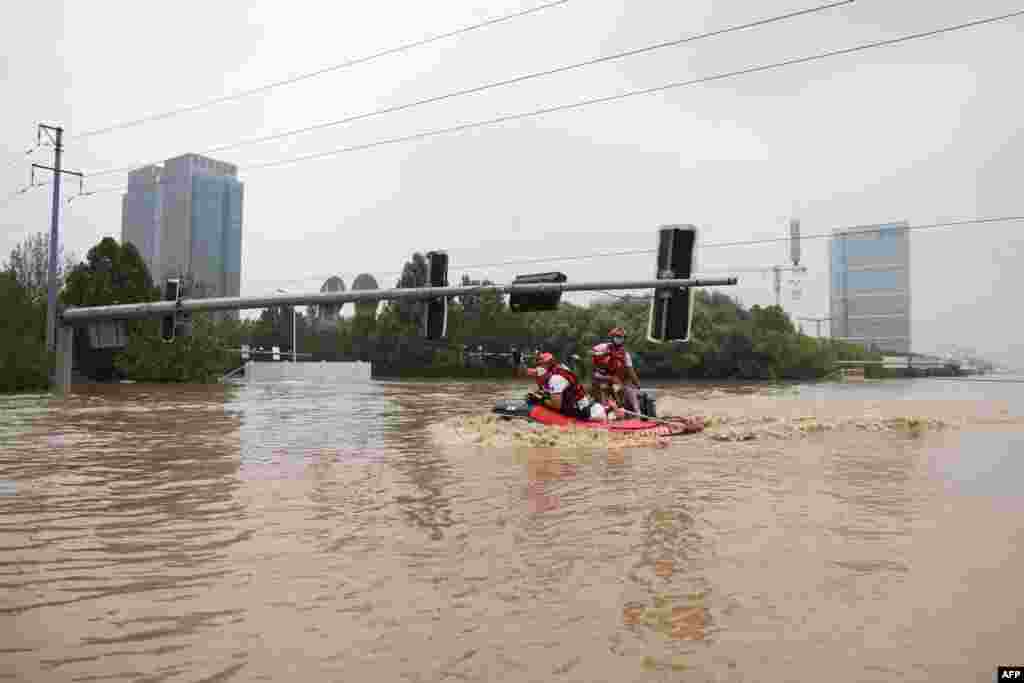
(924, 131)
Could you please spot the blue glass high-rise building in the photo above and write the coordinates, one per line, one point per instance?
(870, 286)
(186, 219)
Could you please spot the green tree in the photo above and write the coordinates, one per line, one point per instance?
(30, 264)
(367, 310)
(24, 287)
(111, 274)
(23, 362)
(415, 273)
(201, 357)
(727, 340)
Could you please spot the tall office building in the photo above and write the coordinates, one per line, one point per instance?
(140, 214)
(185, 218)
(870, 286)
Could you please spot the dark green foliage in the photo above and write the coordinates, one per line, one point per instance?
(111, 274)
(366, 309)
(23, 363)
(415, 273)
(727, 341)
(200, 358)
(29, 262)
(24, 366)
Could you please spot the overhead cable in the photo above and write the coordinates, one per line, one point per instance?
(611, 98)
(312, 74)
(498, 84)
(710, 245)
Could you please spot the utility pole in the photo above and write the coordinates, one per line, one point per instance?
(55, 133)
(777, 271)
(778, 285)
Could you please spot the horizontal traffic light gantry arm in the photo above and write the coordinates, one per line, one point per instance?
(156, 309)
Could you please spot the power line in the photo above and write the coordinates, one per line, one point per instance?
(314, 74)
(722, 76)
(706, 245)
(502, 83)
(611, 98)
(742, 243)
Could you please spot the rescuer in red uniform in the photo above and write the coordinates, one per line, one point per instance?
(614, 366)
(559, 389)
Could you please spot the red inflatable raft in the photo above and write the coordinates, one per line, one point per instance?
(523, 409)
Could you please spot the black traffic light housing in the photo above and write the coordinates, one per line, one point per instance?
(538, 301)
(172, 292)
(435, 311)
(671, 311)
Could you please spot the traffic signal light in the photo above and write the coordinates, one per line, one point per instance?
(672, 308)
(540, 301)
(172, 292)
(435, 313)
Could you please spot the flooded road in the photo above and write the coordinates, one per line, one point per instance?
(384, 531)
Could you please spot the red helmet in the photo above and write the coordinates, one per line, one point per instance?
(616, 332)
(545, 358)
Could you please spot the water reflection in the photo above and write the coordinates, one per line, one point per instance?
(992, 389)
(544, 468)
(425, 471)
(878, 494)
(995, 467)
(127, 494)
(669, 566)
(287, 426)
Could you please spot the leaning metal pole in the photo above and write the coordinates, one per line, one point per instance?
(156, 309)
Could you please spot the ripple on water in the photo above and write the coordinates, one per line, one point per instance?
(389, 530)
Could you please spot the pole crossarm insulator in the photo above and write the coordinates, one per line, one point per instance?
(156, 309)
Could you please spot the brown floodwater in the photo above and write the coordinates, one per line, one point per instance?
(317, 531)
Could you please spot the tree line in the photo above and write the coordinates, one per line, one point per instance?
(728, 340)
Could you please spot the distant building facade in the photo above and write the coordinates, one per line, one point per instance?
(141, 211)
(185, 218)
(870, 286)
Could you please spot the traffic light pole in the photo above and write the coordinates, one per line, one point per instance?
(671, 310)
(157, 309)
